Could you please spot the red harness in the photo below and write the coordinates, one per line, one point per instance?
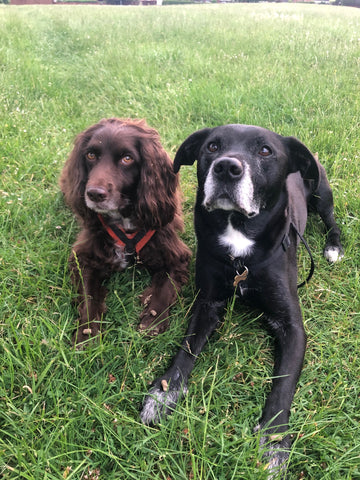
(131, 242)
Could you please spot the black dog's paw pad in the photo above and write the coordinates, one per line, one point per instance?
(333, 254)
(159, 403)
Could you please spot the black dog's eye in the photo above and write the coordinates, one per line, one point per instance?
(265, 151)
(126, 160)
(91, 156)
(213, 147)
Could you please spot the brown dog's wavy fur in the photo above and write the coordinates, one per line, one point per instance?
(156, 206)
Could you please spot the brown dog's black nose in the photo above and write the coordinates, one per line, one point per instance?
(228, 169)
(96, 194)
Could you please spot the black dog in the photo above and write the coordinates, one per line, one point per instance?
(254, 190)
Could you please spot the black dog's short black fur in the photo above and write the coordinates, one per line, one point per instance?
(254, 191)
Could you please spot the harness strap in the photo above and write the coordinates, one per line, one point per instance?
(131, 242)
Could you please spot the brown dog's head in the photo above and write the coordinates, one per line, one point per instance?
(119, 168)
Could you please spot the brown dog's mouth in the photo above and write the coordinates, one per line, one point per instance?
(105, 211)
(101, 207)
(108, 204)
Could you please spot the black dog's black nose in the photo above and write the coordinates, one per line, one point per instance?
(228, 168)
(96, 194)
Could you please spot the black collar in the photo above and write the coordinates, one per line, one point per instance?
(243, 269)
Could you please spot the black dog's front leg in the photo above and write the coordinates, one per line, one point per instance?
(168, 389)
(290, 343)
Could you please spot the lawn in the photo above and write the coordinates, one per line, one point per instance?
(67, 414)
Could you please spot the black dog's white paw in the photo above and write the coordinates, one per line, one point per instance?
(333, 254)
(275, 459)
(275, 453)
(161, 400)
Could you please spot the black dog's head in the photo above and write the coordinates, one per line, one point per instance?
(243, 167)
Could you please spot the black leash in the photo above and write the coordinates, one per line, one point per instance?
(312, 263)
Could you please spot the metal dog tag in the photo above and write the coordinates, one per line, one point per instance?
(240, 277)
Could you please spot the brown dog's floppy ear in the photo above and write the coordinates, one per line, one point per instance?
(74, 174)
(157, 200)
(302, 160)
(189, 149)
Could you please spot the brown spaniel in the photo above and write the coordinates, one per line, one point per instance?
(119, 182)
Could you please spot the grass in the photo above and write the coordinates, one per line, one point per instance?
(74, 415)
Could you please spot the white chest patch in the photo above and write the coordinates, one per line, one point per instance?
(238, 244)
(120, 258)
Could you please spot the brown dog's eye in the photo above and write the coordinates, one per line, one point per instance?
(265, 151)
(91, 156)
(127, 160)
(213, 147)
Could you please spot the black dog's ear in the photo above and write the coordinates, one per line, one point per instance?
(302, 160)
(189, 149)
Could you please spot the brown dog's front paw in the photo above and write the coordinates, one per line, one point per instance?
(84, 334)
(152, 323)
